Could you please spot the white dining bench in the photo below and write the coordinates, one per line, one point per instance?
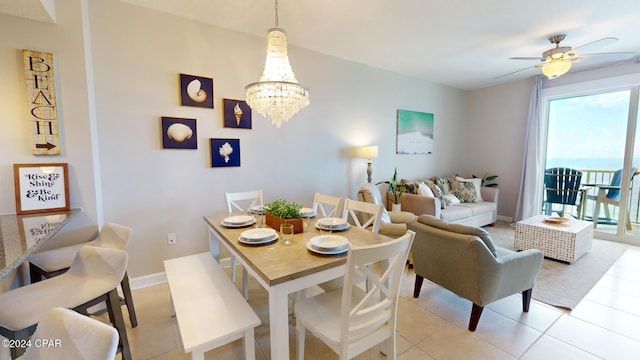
(209, 309)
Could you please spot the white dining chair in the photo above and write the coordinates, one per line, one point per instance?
(64, 334)
(351, 320)
(92, 279)
(57, 261)
(327, 205)
(363, 214)
(242, 201)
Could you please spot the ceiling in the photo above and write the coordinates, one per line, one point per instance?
(461, 43)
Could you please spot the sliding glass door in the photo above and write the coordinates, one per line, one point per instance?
(594, 132)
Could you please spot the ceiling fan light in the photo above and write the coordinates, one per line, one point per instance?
(556, 68)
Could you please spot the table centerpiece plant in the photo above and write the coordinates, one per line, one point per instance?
(281, 211)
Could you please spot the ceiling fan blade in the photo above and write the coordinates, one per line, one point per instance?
(612, 56)
(594, 45)
(526, 58)
(513, 72)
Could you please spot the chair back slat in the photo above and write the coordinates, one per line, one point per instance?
(363, 214)
(243, 201)
(562, 185)
(326, 205)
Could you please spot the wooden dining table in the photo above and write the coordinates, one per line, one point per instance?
(22, 235)
(284, 269)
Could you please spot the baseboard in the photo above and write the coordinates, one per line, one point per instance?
(145, 281)
(504, 218)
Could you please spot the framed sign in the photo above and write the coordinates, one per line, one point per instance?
(41, 187)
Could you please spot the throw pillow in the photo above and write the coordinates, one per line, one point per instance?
(477, 183)
(464, 190)
(410, 185)
(437, 193)
(451, 199)
(424, 190)
(442, 183)
(460, 229)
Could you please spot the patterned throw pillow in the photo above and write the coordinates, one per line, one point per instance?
(437, 192)
(411, 186)
(465, 191)
(442, 183)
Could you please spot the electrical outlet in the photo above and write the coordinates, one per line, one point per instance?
(171, 238)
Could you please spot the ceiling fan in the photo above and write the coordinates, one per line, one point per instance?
(558, 60)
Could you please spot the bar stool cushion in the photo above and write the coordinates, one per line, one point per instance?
(73, 336)
(95, 271)
(112, 236)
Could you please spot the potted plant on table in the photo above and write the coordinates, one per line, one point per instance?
(280, 211)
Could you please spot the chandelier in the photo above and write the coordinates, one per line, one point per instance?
(277, 95)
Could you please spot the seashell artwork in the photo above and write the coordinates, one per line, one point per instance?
(225, 150)
(237, 112)
(179, 132)
(196, 92)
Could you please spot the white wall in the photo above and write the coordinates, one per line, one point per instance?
(495, 137)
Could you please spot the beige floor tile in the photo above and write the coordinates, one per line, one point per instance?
(453, 342)
(548, 348)
(414, 354)
(609, 318)
(594, 339)
(625, 286)
(415, 323)
(540, 316)
(445, 304)
(505, 333)
(614, 299)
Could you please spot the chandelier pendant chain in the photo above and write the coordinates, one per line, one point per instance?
(276, 13)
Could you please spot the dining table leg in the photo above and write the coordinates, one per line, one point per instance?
(279, 321)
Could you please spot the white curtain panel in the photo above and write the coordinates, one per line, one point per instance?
(530, 196)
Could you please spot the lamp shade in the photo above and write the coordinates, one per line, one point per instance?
(368, 152)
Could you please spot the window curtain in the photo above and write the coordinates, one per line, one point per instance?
(530, 196)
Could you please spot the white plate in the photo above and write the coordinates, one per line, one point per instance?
(248, 223)
(332, 222)
(263, 241)
(257, 209)
(325, 252)
(237, 220)
(343, 227)
(329, 242)
(307, 213)
(258, 234)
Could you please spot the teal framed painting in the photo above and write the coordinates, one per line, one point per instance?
(414, 132)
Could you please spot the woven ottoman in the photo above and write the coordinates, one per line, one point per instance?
(566, 241)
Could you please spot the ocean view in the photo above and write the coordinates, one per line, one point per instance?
(586, 163)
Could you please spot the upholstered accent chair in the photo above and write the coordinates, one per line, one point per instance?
(464, 260)
(392, 223)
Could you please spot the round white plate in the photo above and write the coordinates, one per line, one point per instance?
(329, 242)
(258, 234)
(263, 241)
(325, 252)
(332, 222)
(307, 212)
(237, 220)
(343, 227)
(248, 223)
(257, 209)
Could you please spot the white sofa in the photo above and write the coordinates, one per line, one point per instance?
(472, 214)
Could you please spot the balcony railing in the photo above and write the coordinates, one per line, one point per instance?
(591, 176)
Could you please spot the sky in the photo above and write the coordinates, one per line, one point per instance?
(592, 126)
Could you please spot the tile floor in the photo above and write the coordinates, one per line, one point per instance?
(605, 325)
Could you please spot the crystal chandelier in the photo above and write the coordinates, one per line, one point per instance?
(277, 95)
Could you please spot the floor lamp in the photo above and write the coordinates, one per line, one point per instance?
(368, 152)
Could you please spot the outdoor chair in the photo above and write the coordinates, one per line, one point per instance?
(562, 186)
(609, 195)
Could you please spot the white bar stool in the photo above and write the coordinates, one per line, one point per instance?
(54, 262)
(64, 334)
(93, 278)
